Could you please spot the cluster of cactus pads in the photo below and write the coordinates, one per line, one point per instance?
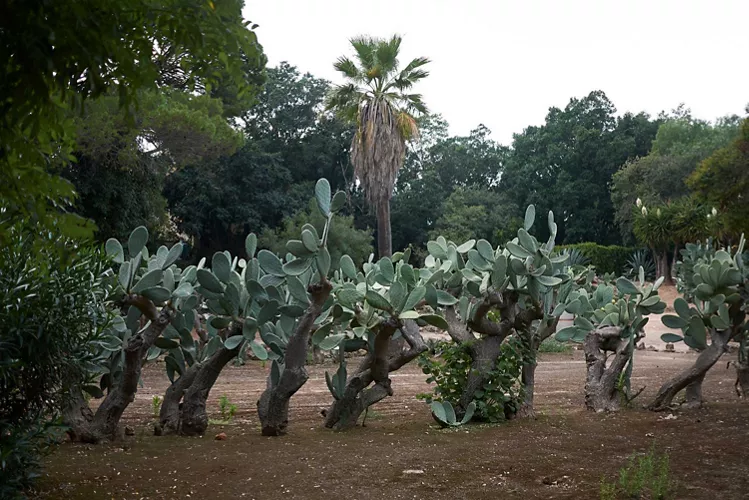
(277, 306)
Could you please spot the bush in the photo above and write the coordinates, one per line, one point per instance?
(605, 258)
(448, 365)
(52, 292)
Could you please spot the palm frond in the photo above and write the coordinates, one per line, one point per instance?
(416, 102)
(415, 63)
(345, 101)
(348, 68)
(364, 46)
(386, 54)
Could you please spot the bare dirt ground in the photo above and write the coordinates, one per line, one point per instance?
(562, 454)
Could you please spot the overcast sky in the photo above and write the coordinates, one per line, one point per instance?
(503, 63)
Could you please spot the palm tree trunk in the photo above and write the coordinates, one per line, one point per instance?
(384, 236)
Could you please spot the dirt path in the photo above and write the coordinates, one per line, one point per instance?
(562, 454)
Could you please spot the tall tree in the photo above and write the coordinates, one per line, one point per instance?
(723, 180)
(566, 165)
(56, 55)
(376, 98)
(659, 176)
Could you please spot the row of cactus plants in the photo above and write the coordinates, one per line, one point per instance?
(277, 306)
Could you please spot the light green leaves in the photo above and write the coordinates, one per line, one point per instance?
(377, 301)
(250, 245)
(270, 263)
(221, 266)
(150, 279)
(530, 217)
(138, 239)
(348, 267)
(114, 250)
(322, 196)
(209, 281)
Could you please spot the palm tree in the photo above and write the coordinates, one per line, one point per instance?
(376, 99)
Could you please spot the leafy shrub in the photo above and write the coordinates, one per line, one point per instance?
(53, 293)
(575, 257)
(449, 364)
(640, 258)
(605, 258)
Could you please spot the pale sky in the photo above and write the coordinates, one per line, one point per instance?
(503, 63)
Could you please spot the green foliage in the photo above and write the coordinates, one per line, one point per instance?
(722, 181)
(566, 165)
(377, 98)
(640, 259)
(99, 47)
(156, 406)
(476, 213)
(444, 413)
(289, 145)
(605, 258)
(715, 282)
(226, 408)
(646, 474)
(681, 143)
(54, 294)
(448, 366)
(552, 345)
(343, 238)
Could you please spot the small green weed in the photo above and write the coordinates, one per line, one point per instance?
(644, 476)
(226, 408)
(156, 406)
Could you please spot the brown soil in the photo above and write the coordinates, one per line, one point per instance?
(562, 454)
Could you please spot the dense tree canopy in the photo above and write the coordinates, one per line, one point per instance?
(57, 56)
(660, 176)
(566, 164)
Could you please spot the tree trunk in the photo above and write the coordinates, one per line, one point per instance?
(532, 339)
(273, 405)
(169, 415)
(742, 379)
(601, 390)
(105, 422)
(194, 418)
(693, 393)
(692, 375)
(662, 267)
(484, 353)
(77, 415)
(384, 236)
(387, 356)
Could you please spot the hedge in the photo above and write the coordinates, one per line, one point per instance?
(606, 258)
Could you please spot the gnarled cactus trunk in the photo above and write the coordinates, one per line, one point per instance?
(386, 356)
(532, 339)
(194, 419)
(103, 424)
(601, 384)
(273, 405)
(691, 378)
(742, 379)
(486, 349)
